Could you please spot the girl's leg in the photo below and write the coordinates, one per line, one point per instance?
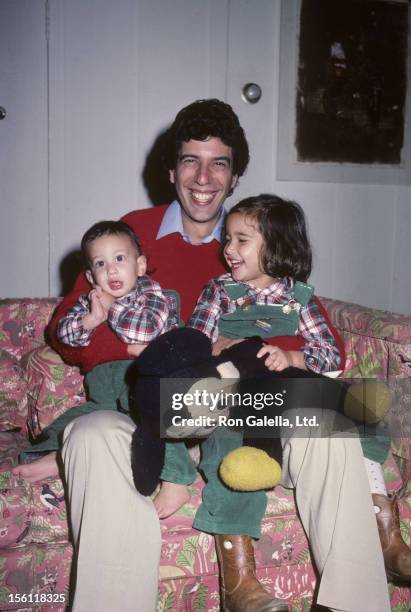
(224, 510)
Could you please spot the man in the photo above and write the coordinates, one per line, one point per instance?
(116, 531)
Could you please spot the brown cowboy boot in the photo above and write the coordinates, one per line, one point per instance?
(397, 555)
(241, 591)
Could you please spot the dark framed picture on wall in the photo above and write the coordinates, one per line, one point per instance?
(344, 107)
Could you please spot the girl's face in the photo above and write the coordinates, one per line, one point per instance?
(243, 249)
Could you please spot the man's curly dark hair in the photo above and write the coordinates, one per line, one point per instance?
(204, 119)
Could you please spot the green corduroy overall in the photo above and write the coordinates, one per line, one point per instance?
(224, 510)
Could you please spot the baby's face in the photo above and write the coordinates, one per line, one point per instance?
(115, 264)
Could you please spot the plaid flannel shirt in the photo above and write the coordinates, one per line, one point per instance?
(320, 350)
(136, 318)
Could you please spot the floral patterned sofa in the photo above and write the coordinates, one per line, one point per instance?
(35, 552)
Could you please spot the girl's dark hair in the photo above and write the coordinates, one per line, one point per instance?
(106, 228)
(204, 119)
(286, 250)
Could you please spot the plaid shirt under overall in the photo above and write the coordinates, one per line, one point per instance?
(320, 350)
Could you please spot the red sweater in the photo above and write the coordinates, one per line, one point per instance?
(175, 264)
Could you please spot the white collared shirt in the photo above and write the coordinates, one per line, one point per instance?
(172, 222)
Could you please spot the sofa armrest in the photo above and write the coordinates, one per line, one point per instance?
(13, 394)
(378, 345)
(52, 387)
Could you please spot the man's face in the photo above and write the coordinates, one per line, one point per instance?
(203, 177)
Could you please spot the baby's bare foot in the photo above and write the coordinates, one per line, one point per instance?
(38, 470)
(170, 498)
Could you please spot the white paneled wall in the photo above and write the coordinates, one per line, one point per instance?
(24, 225)
(117, 72)
(358, 232)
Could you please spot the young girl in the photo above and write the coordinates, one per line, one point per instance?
(264, 294)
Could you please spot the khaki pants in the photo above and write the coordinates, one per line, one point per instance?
(326, 469)
(117, 536)
(116, 531)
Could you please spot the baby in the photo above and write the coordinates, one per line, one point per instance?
(130, 303)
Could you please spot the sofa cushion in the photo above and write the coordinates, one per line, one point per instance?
(40, 573)
(22, 323)
(29, 513)
(52, 386)
(13, 393)
(11, 443)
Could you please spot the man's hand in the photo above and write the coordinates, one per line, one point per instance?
(134, 350)
(278, 360)
(223, 343)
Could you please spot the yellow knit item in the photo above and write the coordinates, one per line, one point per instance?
(367, 401)
(249, 469)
